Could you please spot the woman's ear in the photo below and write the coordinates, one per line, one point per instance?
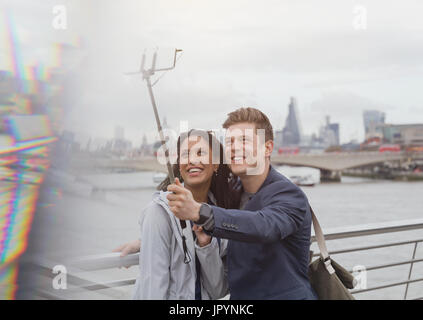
(215, 168)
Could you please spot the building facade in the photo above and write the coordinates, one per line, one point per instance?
(403, 134)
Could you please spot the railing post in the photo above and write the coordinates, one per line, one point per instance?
(411, 269)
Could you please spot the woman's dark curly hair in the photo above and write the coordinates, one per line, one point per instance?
(223, 184)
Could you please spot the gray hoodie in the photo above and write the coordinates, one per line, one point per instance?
(163, 273)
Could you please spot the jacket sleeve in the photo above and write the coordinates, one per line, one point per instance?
(283, 212)
(214, 273)
(156, 237)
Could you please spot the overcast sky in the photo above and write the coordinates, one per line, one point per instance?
(236, 53)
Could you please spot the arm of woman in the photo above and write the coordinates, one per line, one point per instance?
(155, 256)
(212, 257)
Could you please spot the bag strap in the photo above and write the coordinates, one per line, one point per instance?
(321, 242)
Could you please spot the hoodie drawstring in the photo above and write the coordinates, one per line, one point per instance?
(187, 258)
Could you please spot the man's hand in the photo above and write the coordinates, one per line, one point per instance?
(182, 203)
(203, 238)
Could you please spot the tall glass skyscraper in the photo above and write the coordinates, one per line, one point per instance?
(373, 119)
(291, 133)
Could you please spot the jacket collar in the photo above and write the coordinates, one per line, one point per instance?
(272, 176)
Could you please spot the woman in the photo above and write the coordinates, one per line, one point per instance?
(168, 265)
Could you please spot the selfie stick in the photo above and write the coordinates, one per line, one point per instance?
(146, 74)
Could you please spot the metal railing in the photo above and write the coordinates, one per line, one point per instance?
(386, 265)
(113, 260)
(380, 228)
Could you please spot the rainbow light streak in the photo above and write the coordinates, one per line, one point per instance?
(4, 161)
(22, 105)
(37, 164)
(42, 122)
(12, 44)
(18, 198)
(23, 157)
(15, 226)
(8, 277)
(28, 77)
(27, 145)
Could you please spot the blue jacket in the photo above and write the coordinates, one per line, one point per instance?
(269, 242)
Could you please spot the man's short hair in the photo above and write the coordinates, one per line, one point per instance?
(250, 115)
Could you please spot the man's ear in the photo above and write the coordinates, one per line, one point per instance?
(268, 147)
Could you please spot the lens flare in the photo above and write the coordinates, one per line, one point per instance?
(26, 138)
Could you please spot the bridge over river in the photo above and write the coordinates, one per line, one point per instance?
(330, 164)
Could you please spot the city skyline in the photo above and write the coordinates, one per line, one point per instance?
(328, 128)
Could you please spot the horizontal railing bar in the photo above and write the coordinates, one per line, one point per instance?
(120, 283)
(387, 285)
(77, 282)
(106, 285)
(371, 229)
(391, 244)
(48, 295)
(105, 261)
(388, 265)
(47, 271)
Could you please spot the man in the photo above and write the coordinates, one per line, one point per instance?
(269, 237)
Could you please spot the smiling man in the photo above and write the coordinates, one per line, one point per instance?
(269, 236)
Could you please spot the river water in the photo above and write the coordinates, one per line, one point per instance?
(82, 224)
